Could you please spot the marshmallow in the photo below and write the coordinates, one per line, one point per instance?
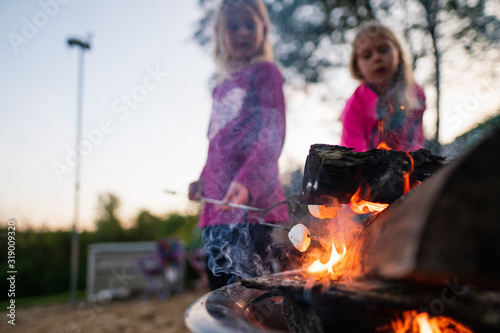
(322, 211)
(299, 236)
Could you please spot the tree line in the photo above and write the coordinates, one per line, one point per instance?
(43, 257)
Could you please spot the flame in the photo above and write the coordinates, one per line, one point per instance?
(384, 134)
(360, 206)
(384, 146)
(406, 175)
(406, 179)
(333, 261)
(414, 322)
(335, 258)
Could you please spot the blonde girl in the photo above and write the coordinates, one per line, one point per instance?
(386, 109)
(246, 135)
(231, 54)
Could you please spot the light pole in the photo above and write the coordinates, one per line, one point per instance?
(84, 46)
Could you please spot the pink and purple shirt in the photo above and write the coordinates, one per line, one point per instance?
(246, 135)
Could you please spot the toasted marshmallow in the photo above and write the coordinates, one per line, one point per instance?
(299, 236)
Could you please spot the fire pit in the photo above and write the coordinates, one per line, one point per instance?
(236, 308)
(375, 305)
(282, 303)
(427, 263)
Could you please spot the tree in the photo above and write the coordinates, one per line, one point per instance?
(306, 31)
(107, 224)
(312, 35)
(475, 29)
(147, 226)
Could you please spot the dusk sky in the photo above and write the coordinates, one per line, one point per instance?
(145, 113)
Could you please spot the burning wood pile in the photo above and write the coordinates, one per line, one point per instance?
(407, 244)
(428, 262)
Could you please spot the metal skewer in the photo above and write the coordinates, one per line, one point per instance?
(230, 204)
(240, 206)
(222, 203)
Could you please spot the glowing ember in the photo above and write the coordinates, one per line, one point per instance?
(406, 179)
(360, 206)
(414, 322)
(384, 146)
(317, 267)
(406, 175)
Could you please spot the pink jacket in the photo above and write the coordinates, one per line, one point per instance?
(246, 134)
(360, 127)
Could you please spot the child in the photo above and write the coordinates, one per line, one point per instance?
(246, 135)
(386, 110)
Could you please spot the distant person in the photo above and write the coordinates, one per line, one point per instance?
(246, 135)
(386, 109)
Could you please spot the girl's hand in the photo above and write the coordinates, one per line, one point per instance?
(237, 193)
(195, 190)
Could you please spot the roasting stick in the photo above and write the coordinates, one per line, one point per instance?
(230, 204)
(220, 202)
(299, 234)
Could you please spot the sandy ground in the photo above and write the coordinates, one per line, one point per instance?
(129, 315)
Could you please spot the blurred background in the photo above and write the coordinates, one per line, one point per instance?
(146, 106)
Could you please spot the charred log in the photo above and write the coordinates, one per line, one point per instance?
(340, 307)
(445, 229)
(338, 172)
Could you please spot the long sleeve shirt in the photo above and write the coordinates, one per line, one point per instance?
(246, 135)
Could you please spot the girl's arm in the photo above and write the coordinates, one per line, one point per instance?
(352, 132)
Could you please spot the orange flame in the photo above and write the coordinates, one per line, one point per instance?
(384, 146)
(360, 206)
(338, 257)
(406, 175)
(406, 179)
(414, 322)
(327, 269)
(384, 133)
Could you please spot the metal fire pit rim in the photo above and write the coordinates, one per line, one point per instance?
(222, 311)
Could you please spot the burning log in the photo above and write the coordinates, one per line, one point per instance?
(432, 252)
(428, 260)
(338, 172)
(445, 229)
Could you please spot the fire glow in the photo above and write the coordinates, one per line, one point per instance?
(414, 322)
(360, 206)
(383, 145)
(327, 269)
(384, 133)
(406, 175)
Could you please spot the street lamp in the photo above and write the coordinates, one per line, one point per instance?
(84, 46)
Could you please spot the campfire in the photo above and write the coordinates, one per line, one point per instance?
(413, 321)
(408, 243)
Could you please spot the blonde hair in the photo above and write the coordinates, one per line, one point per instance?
(373, 29)
(221, 53)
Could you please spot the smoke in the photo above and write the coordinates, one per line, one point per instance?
(239, 249)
